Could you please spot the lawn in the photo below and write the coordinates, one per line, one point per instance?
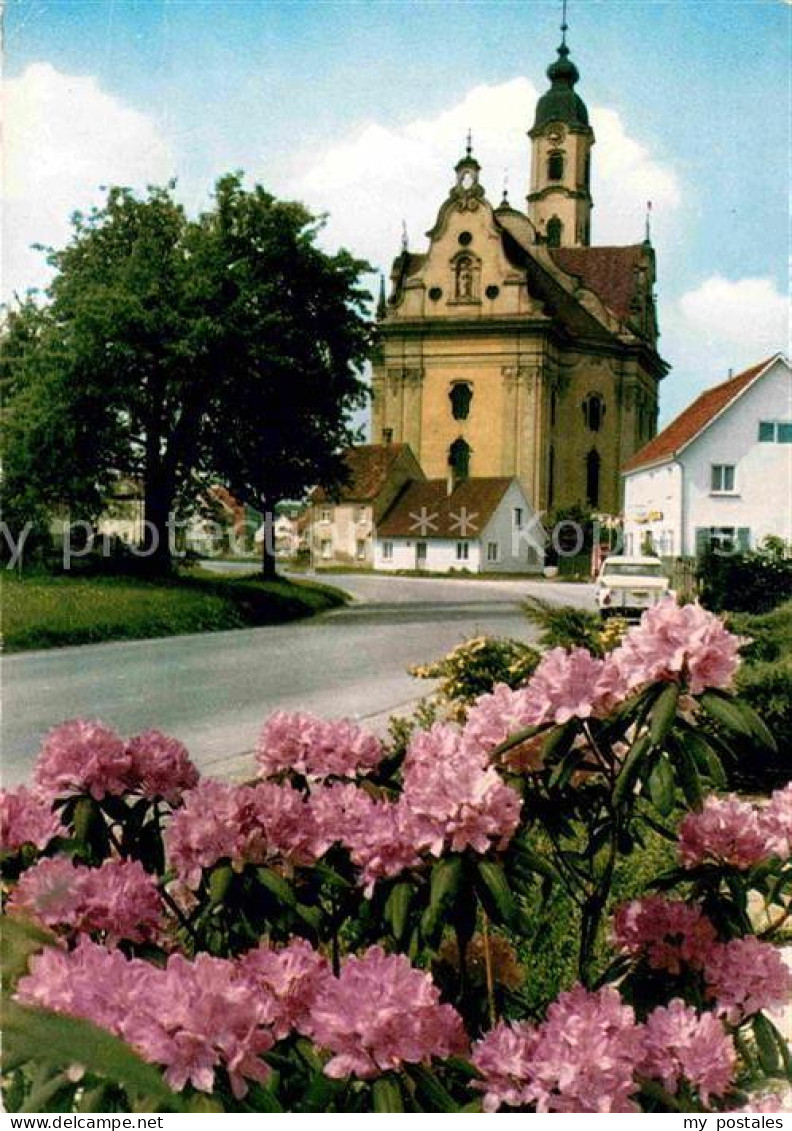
(49, 612)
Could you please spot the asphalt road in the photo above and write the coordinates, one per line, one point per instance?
(213, 691)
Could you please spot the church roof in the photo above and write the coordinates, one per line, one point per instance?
(369, 466)
(695, 418)
(611, 272)
(560, 103)
(463, 513)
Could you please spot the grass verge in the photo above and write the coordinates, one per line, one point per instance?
(51, 612)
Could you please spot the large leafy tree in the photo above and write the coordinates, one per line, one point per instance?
(175, 352)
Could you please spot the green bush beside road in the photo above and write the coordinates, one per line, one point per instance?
(52, 611)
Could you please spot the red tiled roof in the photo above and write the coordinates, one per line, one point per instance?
(368, 465)
(608, 271)
(472, 503)
(696, 416)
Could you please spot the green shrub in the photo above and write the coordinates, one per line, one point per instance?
(564, 626)
(767, 687)
(769, 635)
(749, 582)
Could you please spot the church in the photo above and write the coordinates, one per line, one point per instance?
(513, 346)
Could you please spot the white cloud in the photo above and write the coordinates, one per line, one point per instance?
(64, 138)
(379, 175)
(719, 325)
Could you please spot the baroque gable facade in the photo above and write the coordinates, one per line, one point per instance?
(511, 347)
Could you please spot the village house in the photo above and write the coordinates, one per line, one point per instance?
(720, 475)
(341, 524)
(477, 526)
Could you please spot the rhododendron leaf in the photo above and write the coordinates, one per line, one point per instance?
(430, 1089)
(219, 883)
(765, 1036)
(662, 786)
(397, 909)
(495, 894)
(631, 767)
(662, 1100)
(19, 938)
(447, 875)
(387, 1095)
(532, 860)
(566, 768)
(688, 776)
(277, 885)
(261, 1098)
(664, 713)
(704, 756)
(90, 828)
(332, 876)
(517, 739)
(725, 711)
(63, 1041)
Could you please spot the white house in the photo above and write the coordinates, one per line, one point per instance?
(479, 525)
(720, 475)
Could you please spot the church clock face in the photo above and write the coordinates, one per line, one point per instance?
(467, 180)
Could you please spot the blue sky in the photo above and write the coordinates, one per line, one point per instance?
(360, 108)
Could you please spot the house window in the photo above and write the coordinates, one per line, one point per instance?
(594, 412)
(387, 551)
(461, 395)
(360, 549)
(360, 514)
(554, 231)
(518, 518)
(722, 539)
(459, 458)
(593, 463)
(784, 433)
(326, 514)
(462, 551)
(722, 478)
(493, 554)
(326, 548)
(387, 435)
(767, 430)
(555, 166)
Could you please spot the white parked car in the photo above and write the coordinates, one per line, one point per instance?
(626, 587)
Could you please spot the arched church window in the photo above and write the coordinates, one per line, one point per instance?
(459, 458)
(465, 278)
(593, 411)
(554, 230)
(555, 166)
(550, 476)
(460, 395)
(553, 407)
(593, 464)
(587, 171)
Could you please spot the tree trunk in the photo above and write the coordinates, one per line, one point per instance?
(155, 557)
(268, 570)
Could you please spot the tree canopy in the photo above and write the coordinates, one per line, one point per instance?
(175, 352)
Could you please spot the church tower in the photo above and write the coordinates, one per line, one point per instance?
(559, 203)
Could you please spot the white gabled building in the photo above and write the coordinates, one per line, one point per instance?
(480, 526)
(720, 475)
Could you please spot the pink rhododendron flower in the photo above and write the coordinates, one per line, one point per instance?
(239, 823)
(503, 1057)
(316, 748)
(726, 831)
(82, 757)
(585, 1055)
(453, 798)
(564, 685)
(745, 976)
(160, 766)
(292, 976)
(678, 642)
(119, 899)
(26, 818)
(91, 981)
(49, 892)
(190, 1017)
(381, 1013)
(669, 934)
(497, 716)
(680, 1043)
(775, 822)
